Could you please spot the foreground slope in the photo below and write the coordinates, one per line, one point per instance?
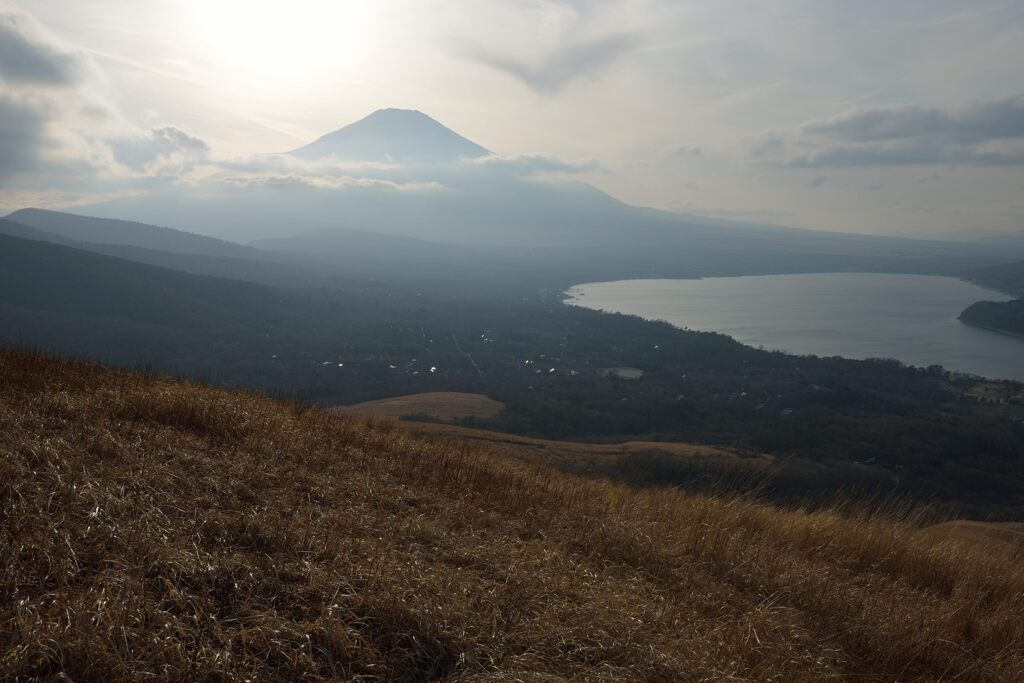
(156, 529)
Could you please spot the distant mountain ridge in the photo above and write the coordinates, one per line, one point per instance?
(393, 135)
(1008, 277)
(13, 229)
(73, 284)
(89, 229)
(162, 247)
(422, 193)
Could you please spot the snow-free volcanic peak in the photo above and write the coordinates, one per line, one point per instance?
(393, 135)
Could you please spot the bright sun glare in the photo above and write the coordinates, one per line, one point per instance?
(282, 36)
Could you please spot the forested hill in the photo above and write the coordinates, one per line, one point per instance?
(1006, 277)
(1000, 316)
(44, 277)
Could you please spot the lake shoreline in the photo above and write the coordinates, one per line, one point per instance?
(989, 328)
(854, 315)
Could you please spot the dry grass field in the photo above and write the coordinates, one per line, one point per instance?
(440, 405)
(990, 536)
(568, 455)
(160, 530)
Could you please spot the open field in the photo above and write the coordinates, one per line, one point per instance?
(161, 530)
(793, 482)
(571, 455)
(439, 405)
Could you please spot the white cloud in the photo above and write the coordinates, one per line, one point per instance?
(532, 164)
(165, 151)
(277, 169)
(320, 182)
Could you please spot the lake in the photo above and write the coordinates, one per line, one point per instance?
(912, 318)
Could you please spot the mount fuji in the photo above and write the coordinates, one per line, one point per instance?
(393, 135)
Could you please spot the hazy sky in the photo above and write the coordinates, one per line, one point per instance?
(887, 117)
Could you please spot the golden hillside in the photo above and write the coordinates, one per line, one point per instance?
(439, 405)
(162, 530)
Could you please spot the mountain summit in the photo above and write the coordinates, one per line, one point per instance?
(393, 135)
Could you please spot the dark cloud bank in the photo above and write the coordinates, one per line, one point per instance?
(984, 134)
(27, 57)
(562, 66)
(43, 88)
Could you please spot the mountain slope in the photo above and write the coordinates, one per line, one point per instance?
(207, 256)
(500, 212)
(127, 233)
(1007, 277)
(97, 306)
(393, 135)
(158, 529)
(453, 269)
(40, 276)
(12, 229)
(420, 180)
